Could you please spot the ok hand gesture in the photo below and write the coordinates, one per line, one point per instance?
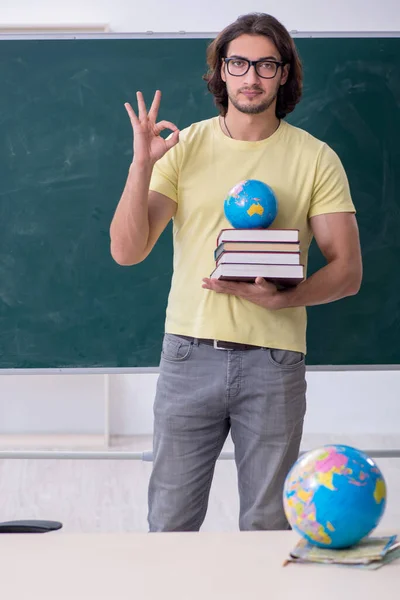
(148, 145)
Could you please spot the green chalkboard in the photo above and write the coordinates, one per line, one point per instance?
(65, 147)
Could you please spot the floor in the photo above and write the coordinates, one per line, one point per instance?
(111, 496)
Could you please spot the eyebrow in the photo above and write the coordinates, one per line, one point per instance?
(257, 60)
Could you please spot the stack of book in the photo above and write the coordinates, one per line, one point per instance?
(244, 254)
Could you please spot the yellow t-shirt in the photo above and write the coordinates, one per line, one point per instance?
(307, 178)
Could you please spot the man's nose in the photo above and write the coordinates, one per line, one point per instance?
(252, 76)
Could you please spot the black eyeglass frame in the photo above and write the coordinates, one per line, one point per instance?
(253, 63)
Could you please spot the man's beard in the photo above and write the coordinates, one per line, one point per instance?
(250, 109)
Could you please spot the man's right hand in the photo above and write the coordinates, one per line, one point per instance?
(148, 145)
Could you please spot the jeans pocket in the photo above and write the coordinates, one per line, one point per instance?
(285, 359)
(175, 349)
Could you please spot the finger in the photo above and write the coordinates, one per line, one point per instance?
(260, 281)
(263, 284)
(173, 140)
(141, 107)
(161, 125)
(211, 284)
(131, 113)
(225, 287)
(153, 112)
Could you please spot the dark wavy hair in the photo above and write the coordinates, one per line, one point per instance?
(256, 24)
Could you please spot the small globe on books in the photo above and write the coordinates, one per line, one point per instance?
(251, 204)
(334, 496)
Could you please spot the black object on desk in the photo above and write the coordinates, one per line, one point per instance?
(33, 526)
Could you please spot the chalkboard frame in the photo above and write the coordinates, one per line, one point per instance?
(180, 35)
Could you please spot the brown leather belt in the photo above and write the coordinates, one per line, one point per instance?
(220, 344)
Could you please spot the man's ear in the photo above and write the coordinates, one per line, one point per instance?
(285, 74)
(223, 72)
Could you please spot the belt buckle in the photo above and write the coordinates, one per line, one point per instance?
(215, 344)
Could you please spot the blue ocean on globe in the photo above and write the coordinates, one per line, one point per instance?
(251, 204)
(334, 496)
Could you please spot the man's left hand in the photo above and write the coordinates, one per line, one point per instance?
(260, 292)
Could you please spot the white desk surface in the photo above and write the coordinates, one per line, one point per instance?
(177, 566)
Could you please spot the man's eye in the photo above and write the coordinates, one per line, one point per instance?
(267, 66)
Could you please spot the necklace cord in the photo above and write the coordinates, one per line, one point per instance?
(226, 127)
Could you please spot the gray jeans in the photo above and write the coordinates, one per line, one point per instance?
(202, 394)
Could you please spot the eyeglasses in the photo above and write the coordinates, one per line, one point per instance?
(267, 69)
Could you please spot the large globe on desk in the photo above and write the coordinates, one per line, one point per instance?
(251, 204)
(334, 496)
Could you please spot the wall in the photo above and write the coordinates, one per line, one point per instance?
(347, 402)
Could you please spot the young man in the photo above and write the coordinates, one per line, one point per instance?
(233, 353)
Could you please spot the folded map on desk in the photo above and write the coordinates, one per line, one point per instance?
(370, 553)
